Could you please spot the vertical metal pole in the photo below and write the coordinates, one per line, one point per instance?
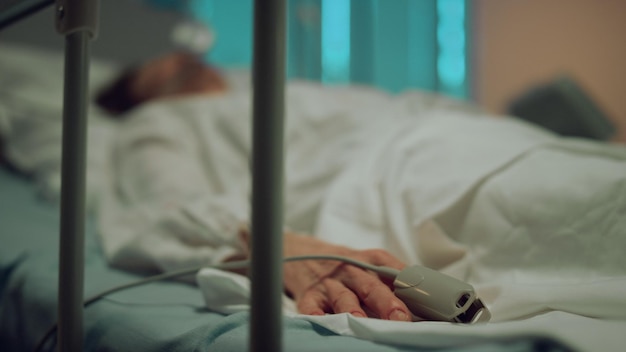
(76, 20)
(73, 194)
(266, 323)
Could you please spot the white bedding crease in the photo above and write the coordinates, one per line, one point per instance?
(536, 223)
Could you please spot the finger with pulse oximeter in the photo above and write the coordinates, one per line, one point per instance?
(431, 295)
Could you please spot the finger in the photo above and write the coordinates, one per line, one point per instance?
(376, 295)
(312, 302)
(343, 300)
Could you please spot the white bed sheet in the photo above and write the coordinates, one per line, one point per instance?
(229, 294)
(536, 223)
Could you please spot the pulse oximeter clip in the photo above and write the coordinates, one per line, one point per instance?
(431, 295)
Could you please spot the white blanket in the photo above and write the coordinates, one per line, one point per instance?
(229, 293)
(537, 224)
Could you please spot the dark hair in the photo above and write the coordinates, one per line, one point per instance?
(116, 98)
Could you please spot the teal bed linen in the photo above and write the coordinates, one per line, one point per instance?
(163, 316)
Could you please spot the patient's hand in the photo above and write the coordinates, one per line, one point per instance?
(320, 287)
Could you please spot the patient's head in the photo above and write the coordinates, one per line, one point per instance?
(171, 75)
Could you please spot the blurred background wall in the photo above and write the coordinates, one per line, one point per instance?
(519, 43)
(129, 31)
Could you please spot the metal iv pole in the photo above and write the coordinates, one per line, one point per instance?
(267, 168)
(77, 21)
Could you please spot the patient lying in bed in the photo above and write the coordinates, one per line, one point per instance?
(435, 185)
(182, 180)
(495, 202)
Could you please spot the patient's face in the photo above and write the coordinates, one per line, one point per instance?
(176, 74)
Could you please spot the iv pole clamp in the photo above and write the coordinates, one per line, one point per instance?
(77, 21)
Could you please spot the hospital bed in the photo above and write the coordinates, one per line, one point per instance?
(170, 315)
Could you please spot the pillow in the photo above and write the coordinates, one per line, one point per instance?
(31, 114)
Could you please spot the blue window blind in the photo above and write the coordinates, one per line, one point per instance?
(335, 29)
(451, 43)
(395, 45)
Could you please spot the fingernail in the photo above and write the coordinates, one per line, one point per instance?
(398, 315)
(359, 314)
